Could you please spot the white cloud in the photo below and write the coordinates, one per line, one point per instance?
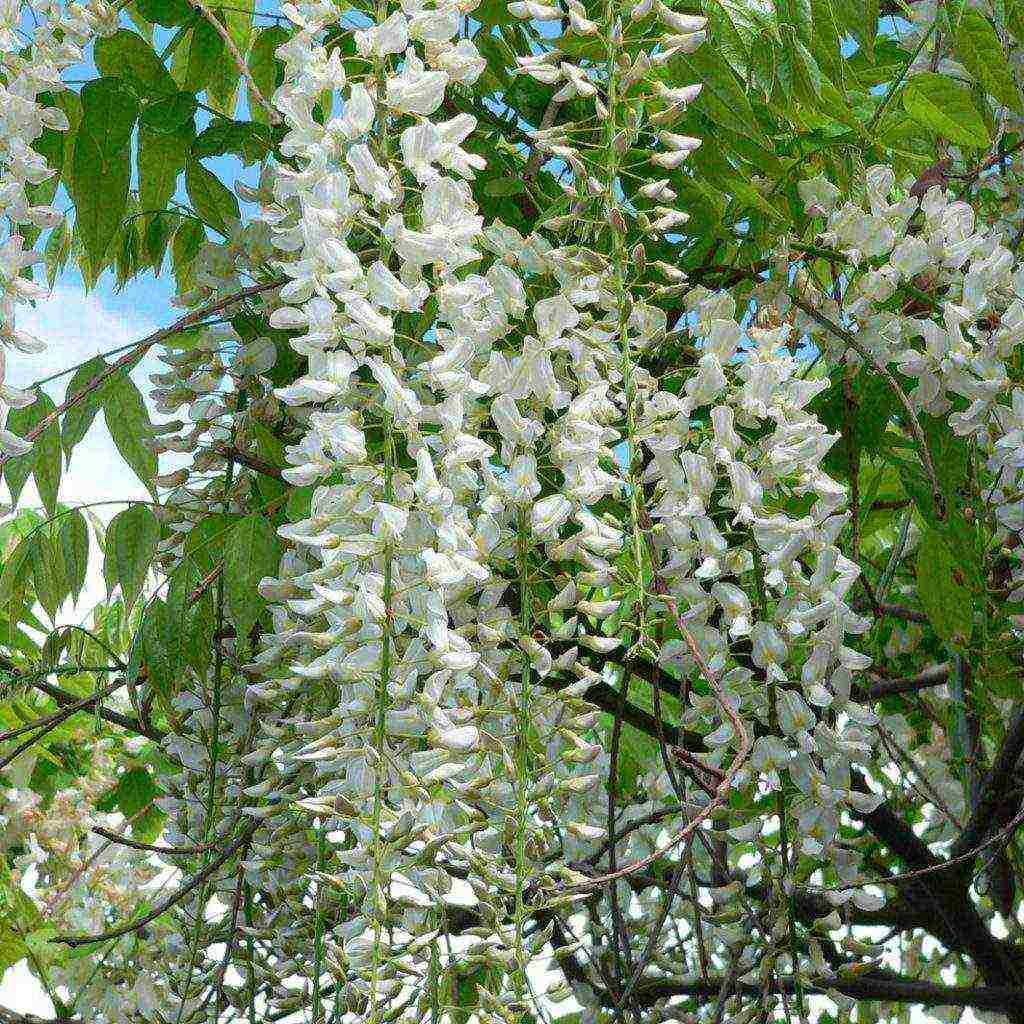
(21, 992)
(77, 325)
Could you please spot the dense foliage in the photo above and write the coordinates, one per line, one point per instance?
(583, 575)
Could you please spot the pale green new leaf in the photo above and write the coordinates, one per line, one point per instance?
(947, 108)
(982, 54)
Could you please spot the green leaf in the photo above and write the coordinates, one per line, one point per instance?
(44, 949)
(79, 416)
(146, 828)
(46, 465)
(12, 947)
(159, 661)
(299, 502)
(504, 187)
(74, 540)
(166, 12)
(873, 404)
(171, 114)
(197, 57)
(723, 98)
(251, 142)
(265, 68)
(948, 109)
(862, 19)
(127, 55)
(159, 227)
(466, 985)
(214, 203)
(250, 554)
(982, 54)
(806, 75)
(17, 566)
(128, 423)
(161, 159)
(48, 573)
(100, 166)
(1015, 19)
(131, 542)
(222, 89)
(190, 619)
(57, 250)
(945, 599)
(189, 238)
(269, 445)
(20, 422)
(797, 14)
(143, 24)
(133, 792)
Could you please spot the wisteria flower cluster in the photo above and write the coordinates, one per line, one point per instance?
(582, 577)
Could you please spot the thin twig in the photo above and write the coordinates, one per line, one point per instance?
(55, 720)
(272, 115)
(189, 320)
(915, 426)
(164, 905)
(111, 717)
(742, 735)
(166, 851)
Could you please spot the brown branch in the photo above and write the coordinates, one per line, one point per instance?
(252, 462)
(995, 804)
(536, 156)
(880, 985)
(934, 675)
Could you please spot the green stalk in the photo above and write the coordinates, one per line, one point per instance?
(318, 923)
(380, 731)
(617, 252)
(522, 759)
(379, 882)
(215, 710)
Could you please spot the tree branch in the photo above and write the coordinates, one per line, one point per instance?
(189, 320)
(881, 986)
(164, 905)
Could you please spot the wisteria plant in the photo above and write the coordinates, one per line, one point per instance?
(582, 579)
